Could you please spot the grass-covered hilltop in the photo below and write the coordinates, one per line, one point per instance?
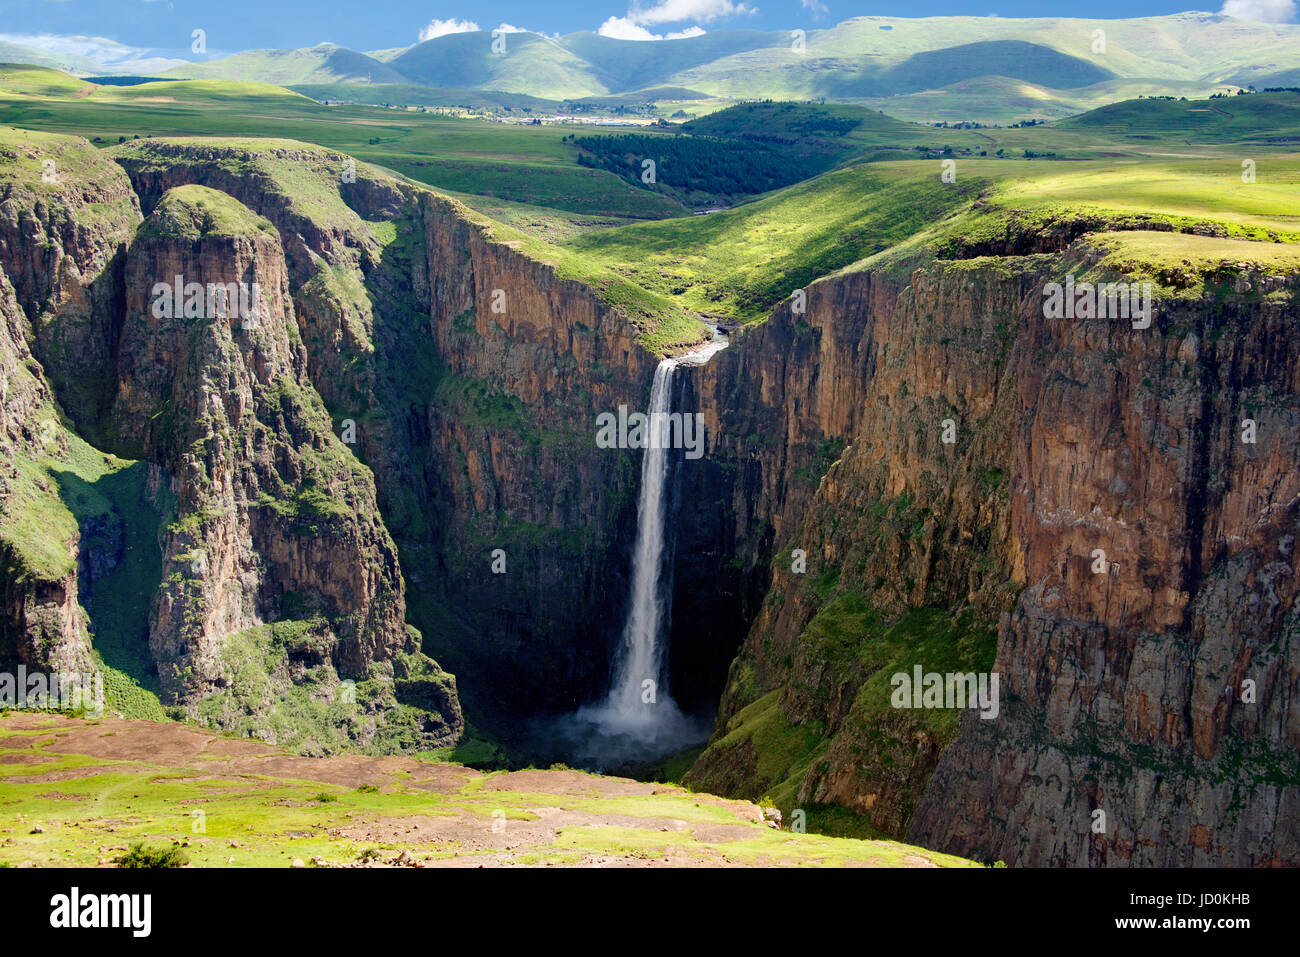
(303, 354)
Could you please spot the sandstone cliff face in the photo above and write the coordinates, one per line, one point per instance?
(61, 233)
(514, 461)
(42, 621)
(890, 527)
(470, 377)
(1071, 435)
(1162, 692)
(65, 215)
(279, 578)
(267, 502)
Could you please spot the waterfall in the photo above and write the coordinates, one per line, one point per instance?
(640, 657)
(638, 718)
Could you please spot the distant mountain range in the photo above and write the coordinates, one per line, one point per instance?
(982, 68)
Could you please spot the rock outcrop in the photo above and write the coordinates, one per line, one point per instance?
(1123, 692)
(65, 213)
(469, 375)
(280, 606)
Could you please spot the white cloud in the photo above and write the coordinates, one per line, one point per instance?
(621, 28)
(441, 28)
(635, 26)
(675, 11)
(97, 48)
(508, 28)
(816, 6)
(109, 54)
(1264, 11)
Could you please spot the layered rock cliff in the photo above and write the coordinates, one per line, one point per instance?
(61, 238)
(276, 605)
(469, 375)
(1121, 691)
(918, 470)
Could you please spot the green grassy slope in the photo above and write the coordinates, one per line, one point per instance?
(94, 497)
(522, 164)
(738, 263)
(538, 66)
(1003, 101)
(324, 63)
(1015, 59)
(631, 65)
(226, 802)
(1269, 120)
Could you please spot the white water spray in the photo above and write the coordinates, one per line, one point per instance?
(639, 711)
(635, 700)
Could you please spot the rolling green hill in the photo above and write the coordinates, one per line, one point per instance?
(531, 64)
(986, 69)
(502, 162)
(325, 63)
(629, 65)
(1014, 59)
(1000, 100)
(1271, 119)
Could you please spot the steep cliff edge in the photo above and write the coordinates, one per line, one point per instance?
(275, 603)
(1150, 705)
(1068, 435)
(469, 373)
(61, 235)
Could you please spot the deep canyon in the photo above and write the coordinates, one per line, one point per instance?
(316, 499)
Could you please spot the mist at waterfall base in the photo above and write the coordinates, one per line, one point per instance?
(638, 721)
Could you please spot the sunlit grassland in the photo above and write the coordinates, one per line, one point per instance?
(1183, 263)
(521, 163)
(545, 222)
(1002, 100)
(63, 808)
(738, 263)
(1210, 189)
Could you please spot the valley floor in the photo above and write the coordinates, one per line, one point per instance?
(79, 793)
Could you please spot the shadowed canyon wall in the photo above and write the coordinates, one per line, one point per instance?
(472, 376)
(917, 470)
(274, 580)
(1158, 692)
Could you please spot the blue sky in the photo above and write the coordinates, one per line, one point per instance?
(231, 25)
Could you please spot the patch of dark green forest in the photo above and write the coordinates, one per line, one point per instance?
(701, 170)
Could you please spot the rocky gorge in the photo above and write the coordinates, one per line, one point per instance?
(914, 470)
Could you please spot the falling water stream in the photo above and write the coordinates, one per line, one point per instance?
(638, 719)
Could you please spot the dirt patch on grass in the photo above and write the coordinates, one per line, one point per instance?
(721, 833)
(416, 813)
(25, 757)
